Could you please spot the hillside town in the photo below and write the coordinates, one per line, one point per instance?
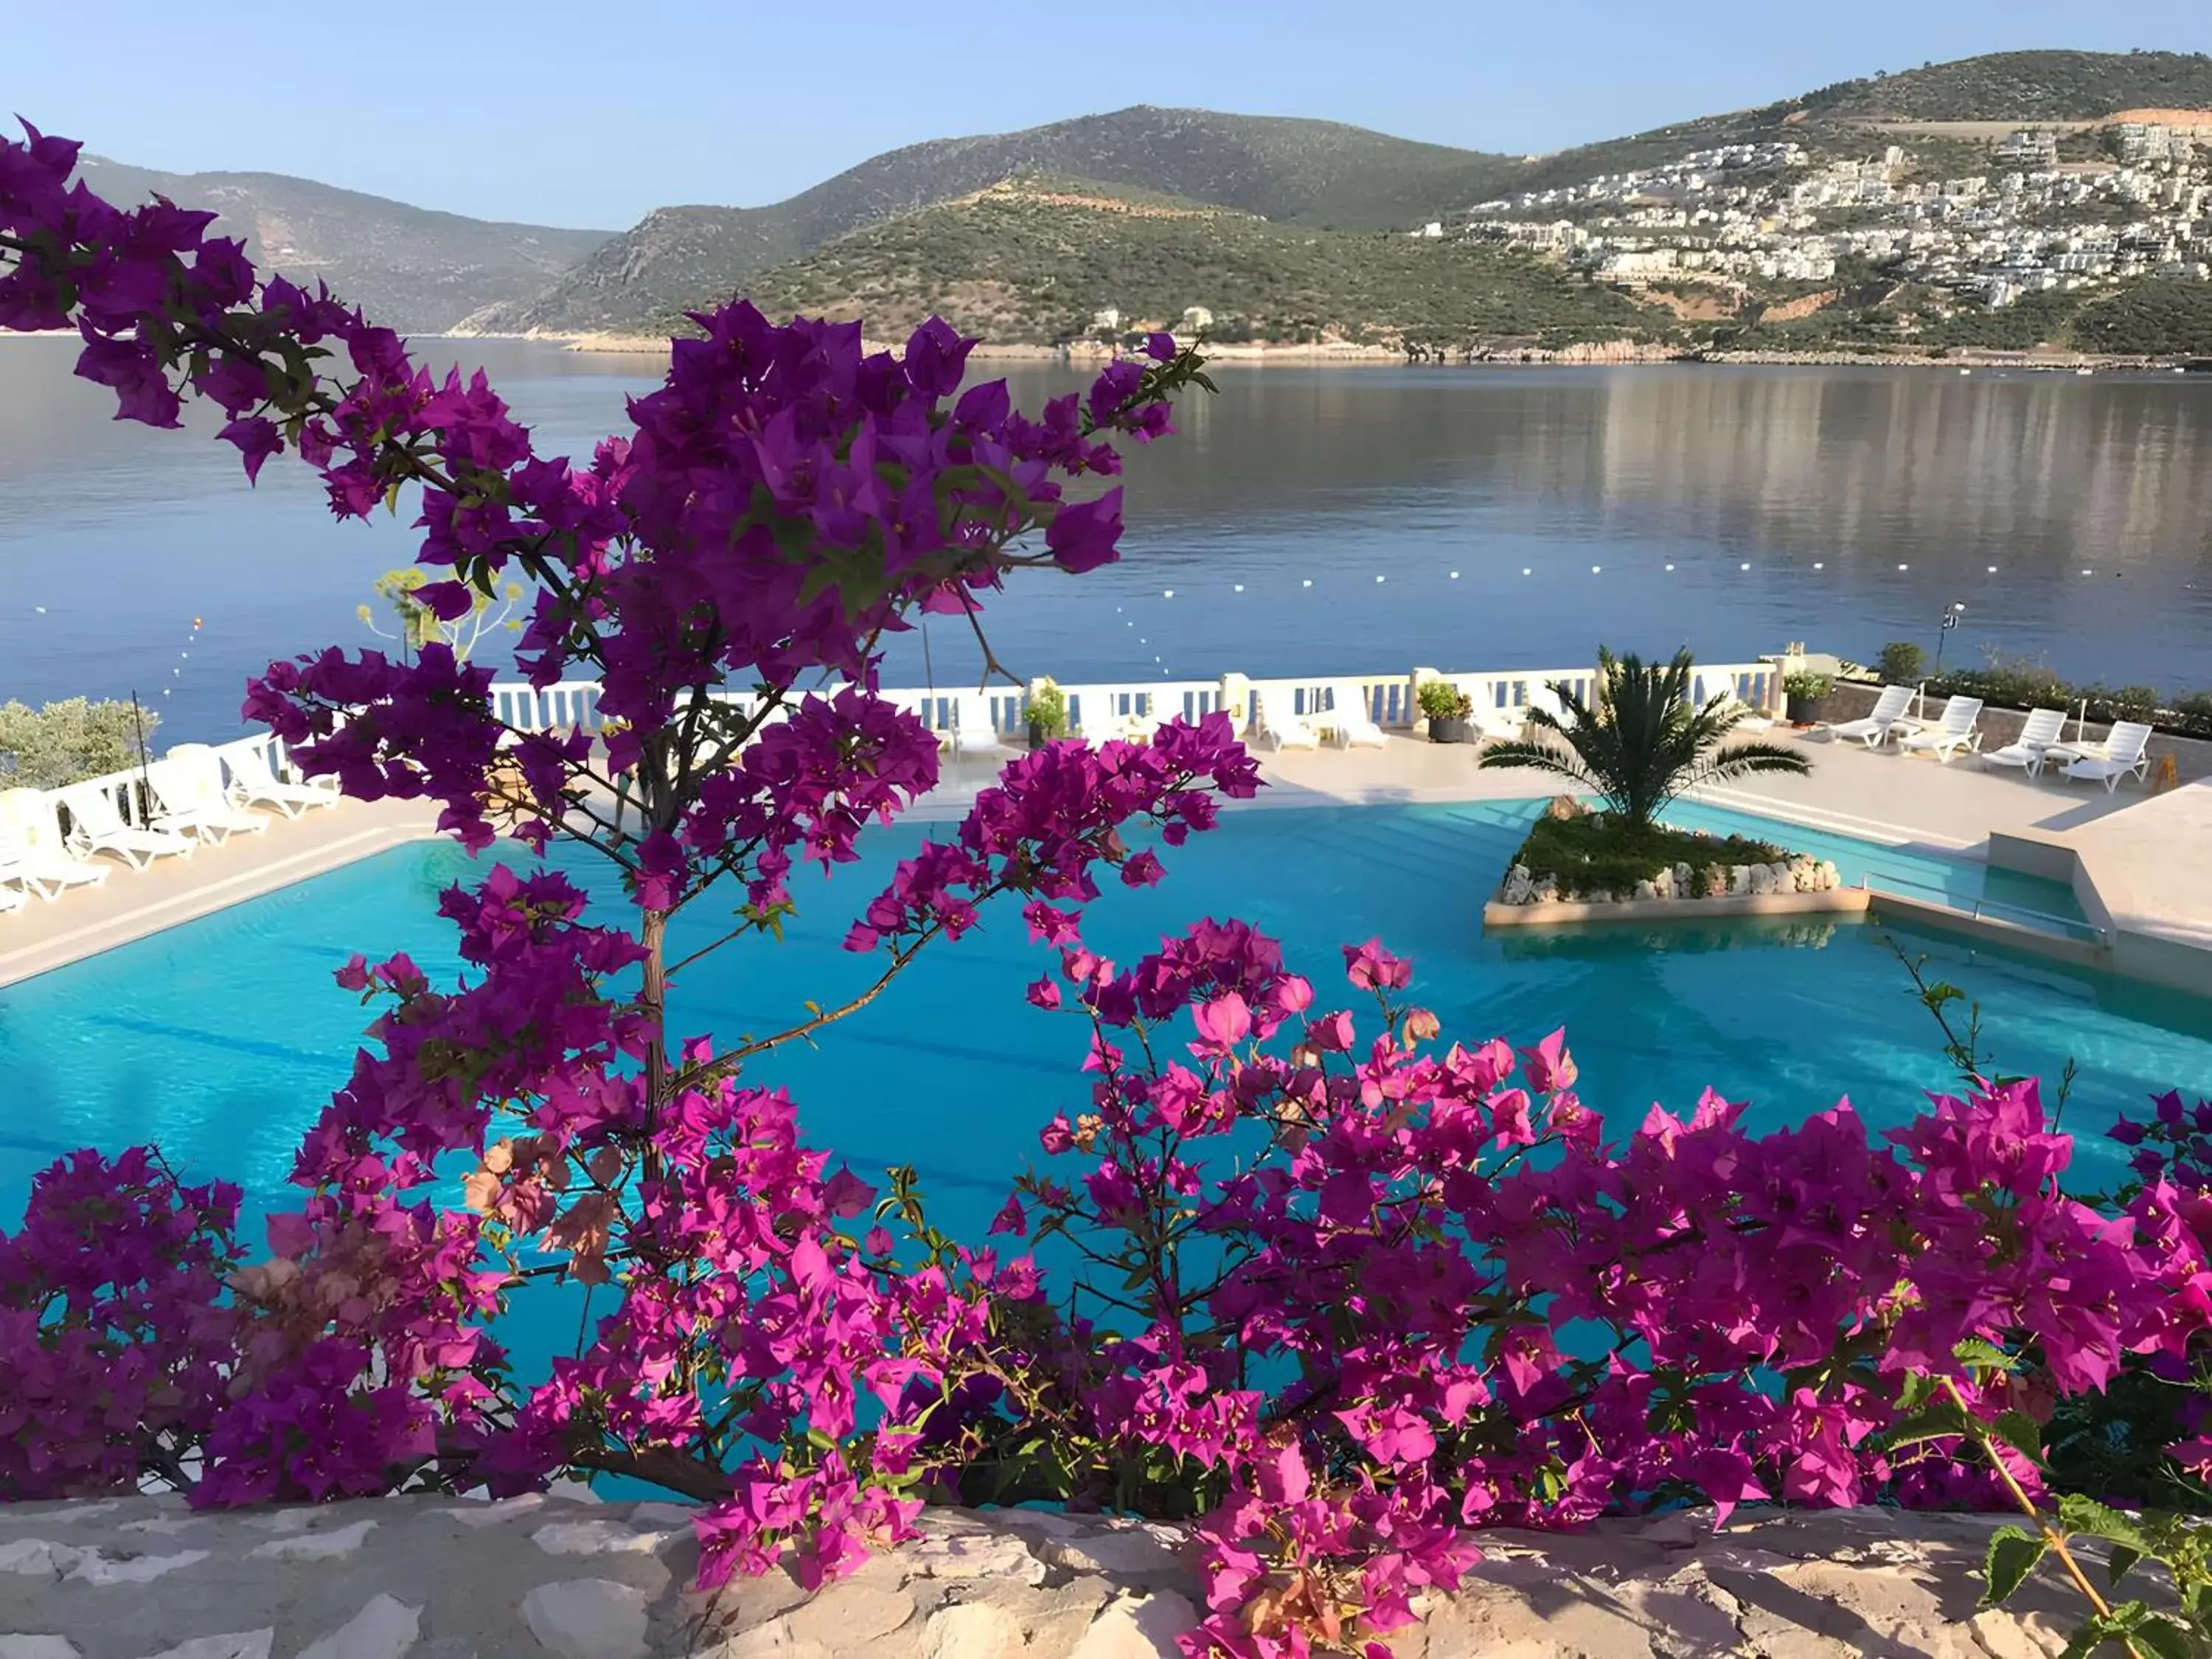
(2085, 206)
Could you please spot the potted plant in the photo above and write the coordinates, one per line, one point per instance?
(1047, 714)
(1447, 709)
(1809, 696)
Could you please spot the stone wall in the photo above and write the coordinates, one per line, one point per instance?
(436, 1578)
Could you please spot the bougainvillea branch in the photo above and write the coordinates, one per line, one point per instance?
(1330, 1289)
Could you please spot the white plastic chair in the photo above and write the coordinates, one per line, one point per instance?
(1280, 726)
(2125, 751)
(96, 825)
(1348, 720)
(974, 735)
(2037, 732)
(1874, 728)
(252, 783)
(190, 799)
(1954, 730)
(32, 848)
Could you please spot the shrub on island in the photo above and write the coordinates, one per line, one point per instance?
(1574, 854)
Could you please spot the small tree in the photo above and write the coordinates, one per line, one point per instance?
(64, 742)
(1644, 742)
(1901, 663)
(419, 624)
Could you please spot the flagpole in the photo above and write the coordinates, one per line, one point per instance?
(145, 788)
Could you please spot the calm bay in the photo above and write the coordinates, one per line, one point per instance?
(1308, 520)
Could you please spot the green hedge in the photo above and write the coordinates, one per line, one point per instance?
(1594, 854)
(2029, 688)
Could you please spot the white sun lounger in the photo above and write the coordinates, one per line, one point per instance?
(1953, 731)
(253, 784)
(1348, 720)
(96, 825)
(2037, 733)
(2125, 751)
(973, 736)
(1277, 725)
(33, 851)
(1886, 716)
(189, 794)
(1138, 725)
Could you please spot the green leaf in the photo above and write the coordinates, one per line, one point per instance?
(1938, 1422)
(2165, 1638)
(2080, 1514)
(1975, 1351)
(2018, 1430)
(2013, 1552)
(2123, 1560)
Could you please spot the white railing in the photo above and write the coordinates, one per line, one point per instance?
(1752, 683)
(1507, 691)
(1101, 707)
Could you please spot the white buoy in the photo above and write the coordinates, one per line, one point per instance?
(1818, 565)
(2089, 573)
(1308, 582)
(1455, 576)
(1382, 578)
(1240, 588)
(41, 610)
(1526, 571)
(1670, 567)
(1746, 565)
(1904, 566)
(1993, 570)
(1167, 592)
(1596, 568)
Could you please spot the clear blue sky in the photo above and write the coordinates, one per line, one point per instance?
(583, 112)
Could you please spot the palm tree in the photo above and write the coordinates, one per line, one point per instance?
(1645, 742)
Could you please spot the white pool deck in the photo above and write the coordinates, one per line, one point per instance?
(2141, 863)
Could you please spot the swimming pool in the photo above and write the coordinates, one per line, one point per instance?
(1963, 884)
(222, 1039)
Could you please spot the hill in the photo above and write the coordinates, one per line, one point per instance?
(2023, 86)
(1030, 261)
(1314, 172)
(1318, 175)
(419, 270)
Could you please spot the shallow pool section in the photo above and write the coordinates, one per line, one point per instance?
(1912, 872)
(222, 1039)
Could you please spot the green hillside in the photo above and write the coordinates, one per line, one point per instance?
(1031, 261)
(1321, 179)
(1318, 173)
(417, 270)
(2025, 85)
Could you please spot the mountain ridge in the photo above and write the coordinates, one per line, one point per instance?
(1279, 167)
(421, 270)
(1329, 175)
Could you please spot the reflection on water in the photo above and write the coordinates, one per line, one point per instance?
(1670, 481)
(1602, 941)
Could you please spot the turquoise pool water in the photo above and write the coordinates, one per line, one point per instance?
(1963, 884)
(220, 1040)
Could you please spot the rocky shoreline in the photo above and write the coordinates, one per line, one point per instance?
(1798, 874)
(1592, 353)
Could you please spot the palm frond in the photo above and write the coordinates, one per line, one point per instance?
(1542, 758)
(1639, 741)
